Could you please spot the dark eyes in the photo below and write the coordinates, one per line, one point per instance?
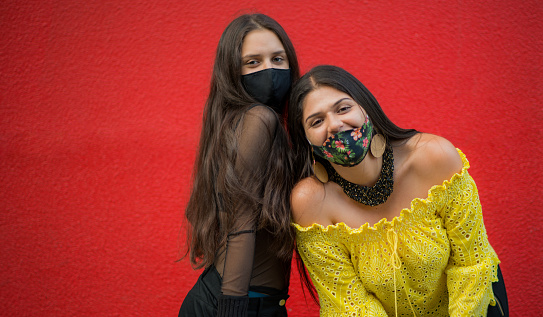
(275, 60)
(315, 122)
(341, 109)
(344, 108)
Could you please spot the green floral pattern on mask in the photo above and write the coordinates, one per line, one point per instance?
(347, 148)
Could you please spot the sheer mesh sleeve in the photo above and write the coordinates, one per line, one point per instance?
(255, 136)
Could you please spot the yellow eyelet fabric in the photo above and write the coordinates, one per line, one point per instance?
(432, 260)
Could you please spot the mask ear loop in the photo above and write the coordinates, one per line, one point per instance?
(318, 169)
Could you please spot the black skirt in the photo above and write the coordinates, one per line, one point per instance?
(202, 299)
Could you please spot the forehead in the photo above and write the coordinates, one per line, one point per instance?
(260, 41)
(321, 99)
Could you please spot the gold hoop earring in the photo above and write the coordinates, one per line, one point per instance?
(319, 170)
(378, 145)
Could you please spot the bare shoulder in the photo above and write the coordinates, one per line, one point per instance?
(433, 157)
(307, 199)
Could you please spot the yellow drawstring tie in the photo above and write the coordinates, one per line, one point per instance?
(392, 238)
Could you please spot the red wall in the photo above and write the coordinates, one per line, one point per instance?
(100, 113)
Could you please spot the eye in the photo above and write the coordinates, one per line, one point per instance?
(251, 62)
(344, 108)
(315, 123)
(278, 59)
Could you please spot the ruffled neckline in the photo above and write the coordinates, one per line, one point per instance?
(433, 192)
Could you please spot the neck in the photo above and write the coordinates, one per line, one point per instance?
(372, 195)
(366, 173)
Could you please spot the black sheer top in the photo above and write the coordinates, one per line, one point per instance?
(244, 260)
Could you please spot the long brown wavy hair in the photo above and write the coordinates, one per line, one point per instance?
(337, 78)
(216, 187)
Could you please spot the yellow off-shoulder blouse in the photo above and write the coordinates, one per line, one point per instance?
(432, 260)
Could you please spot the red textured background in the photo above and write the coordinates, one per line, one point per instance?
(100, 116)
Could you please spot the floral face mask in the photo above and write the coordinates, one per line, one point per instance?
(347, 148)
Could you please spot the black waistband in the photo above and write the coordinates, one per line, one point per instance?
(211, 278)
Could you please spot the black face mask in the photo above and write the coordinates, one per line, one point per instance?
(268, 86)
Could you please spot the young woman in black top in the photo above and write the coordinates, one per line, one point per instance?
(238, 210)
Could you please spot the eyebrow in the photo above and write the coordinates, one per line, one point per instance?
(335, 104)
(257, 55)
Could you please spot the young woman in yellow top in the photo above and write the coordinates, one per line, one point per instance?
(388, 220)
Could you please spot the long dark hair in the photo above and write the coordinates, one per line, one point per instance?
(338, 78)
(216, 186)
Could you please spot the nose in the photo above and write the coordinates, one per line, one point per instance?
(266, 64)
(335, 125)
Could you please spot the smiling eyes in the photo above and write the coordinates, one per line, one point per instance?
(340, 109)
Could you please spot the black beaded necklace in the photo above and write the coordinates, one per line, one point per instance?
(374, 195)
